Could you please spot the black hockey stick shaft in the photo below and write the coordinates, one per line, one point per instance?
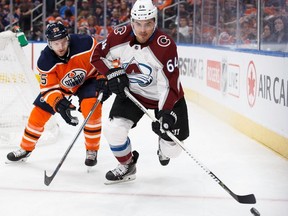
(48, 179)
(245, 199)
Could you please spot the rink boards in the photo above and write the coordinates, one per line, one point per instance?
(247, 90)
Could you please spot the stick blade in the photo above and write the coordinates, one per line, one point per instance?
(47, 179)
(246, 199)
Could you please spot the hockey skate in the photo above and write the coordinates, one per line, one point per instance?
(91, 159)
(18, 155)
(164, 161)
(123, 173)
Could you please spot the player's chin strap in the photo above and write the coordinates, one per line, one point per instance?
(245, 199)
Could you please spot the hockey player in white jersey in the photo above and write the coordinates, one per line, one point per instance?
(143, 59)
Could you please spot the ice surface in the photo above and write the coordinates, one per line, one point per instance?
(182, 188)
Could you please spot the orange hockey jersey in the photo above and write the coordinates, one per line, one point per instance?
(60, 76)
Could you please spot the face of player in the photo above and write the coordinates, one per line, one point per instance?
(60, 47)
(143, 29)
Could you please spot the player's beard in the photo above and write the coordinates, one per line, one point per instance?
(142, 37)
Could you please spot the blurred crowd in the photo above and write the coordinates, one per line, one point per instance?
(213, 22)
(240, 23)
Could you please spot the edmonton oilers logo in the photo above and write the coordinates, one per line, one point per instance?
(73, 78)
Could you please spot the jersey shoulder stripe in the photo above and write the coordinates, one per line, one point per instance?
(80, 44)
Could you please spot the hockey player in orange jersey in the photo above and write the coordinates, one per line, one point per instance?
(65, 69)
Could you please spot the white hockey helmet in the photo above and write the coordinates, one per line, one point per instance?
(144, 10)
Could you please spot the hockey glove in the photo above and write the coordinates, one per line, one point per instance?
(118, 81)
(64, 107)
(102, 85)
(168, 119)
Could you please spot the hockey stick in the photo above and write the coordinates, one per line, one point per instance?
(48, 179)
(245, 199)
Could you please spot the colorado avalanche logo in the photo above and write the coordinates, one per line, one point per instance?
(138, 73)
(163, 41)
(73, 78)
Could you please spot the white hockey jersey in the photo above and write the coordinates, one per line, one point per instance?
(152, 68)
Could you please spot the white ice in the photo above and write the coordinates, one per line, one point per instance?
(182, 188)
